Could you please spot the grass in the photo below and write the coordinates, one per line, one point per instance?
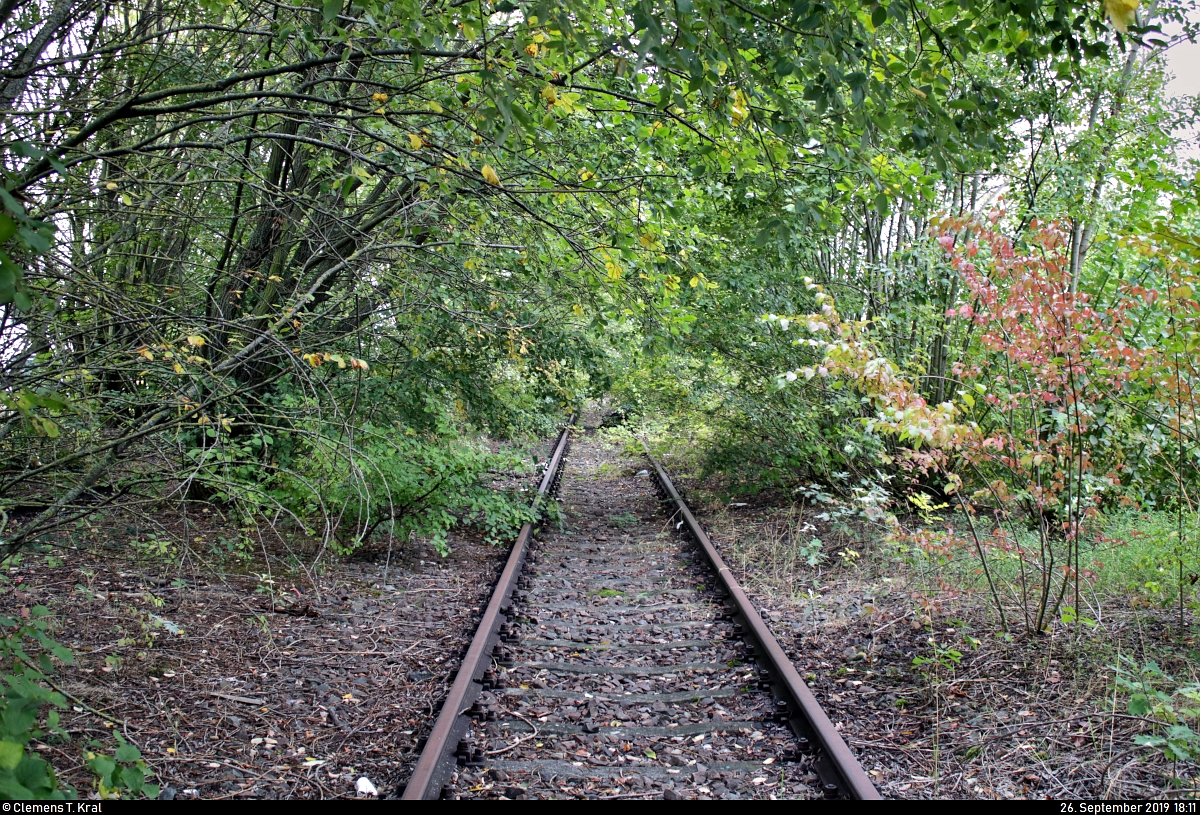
(1140, 557)
(962, 688)
(623, 520)
(1130, 559)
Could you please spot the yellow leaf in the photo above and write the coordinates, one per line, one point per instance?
(379, 98)
(741, 108)
(489, 175)
(694, 282)
(145, 352)
(549, 94)
(477, 139)
(578, 309)
(433, 106)
(584, 175)
(416, 141)
(531, 49)
(110, 186)
(1121, 13)
(195, 340)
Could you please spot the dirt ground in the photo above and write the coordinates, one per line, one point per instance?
(239, 680)
(236, 683)
(1012, 717)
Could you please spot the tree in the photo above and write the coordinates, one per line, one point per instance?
(240, 192)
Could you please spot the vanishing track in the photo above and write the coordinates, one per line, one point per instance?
(620, 659)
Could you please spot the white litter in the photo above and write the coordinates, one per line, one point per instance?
(365, 787)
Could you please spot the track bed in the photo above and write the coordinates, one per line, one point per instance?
(621, 668)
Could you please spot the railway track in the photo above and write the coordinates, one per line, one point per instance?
(619, 658)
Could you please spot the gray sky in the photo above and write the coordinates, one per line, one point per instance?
(1183, 60)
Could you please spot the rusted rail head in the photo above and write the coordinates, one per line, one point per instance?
(840, 773)
(437, 760)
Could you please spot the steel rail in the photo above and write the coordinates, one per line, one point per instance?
(839, 771)
(437, 761)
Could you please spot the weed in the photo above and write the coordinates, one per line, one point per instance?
(622, 520)
(1154, 695)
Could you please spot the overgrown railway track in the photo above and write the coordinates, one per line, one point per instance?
(620, 659)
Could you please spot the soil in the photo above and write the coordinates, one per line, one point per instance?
(237, 684)
(238, 678)
(992, 717)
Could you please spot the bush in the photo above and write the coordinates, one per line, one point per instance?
(26, 646)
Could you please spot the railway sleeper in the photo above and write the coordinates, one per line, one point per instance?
(620, 662)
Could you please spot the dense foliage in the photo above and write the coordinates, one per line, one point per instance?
(298, 259)
(236, 231)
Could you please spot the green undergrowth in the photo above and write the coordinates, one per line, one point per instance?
(679, 445)
(29, 713)
(1130, 559)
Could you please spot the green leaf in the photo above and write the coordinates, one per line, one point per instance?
(134, 779)
(128, 753)
(8, 227)
(11, 203)
(879, 16)
(11, 790)
(1139, 705)
(11, 754)
(330, 9)
(103, 767)
(36, 775)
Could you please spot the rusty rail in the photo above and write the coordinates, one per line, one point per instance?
(437, 760)
(840, 773)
